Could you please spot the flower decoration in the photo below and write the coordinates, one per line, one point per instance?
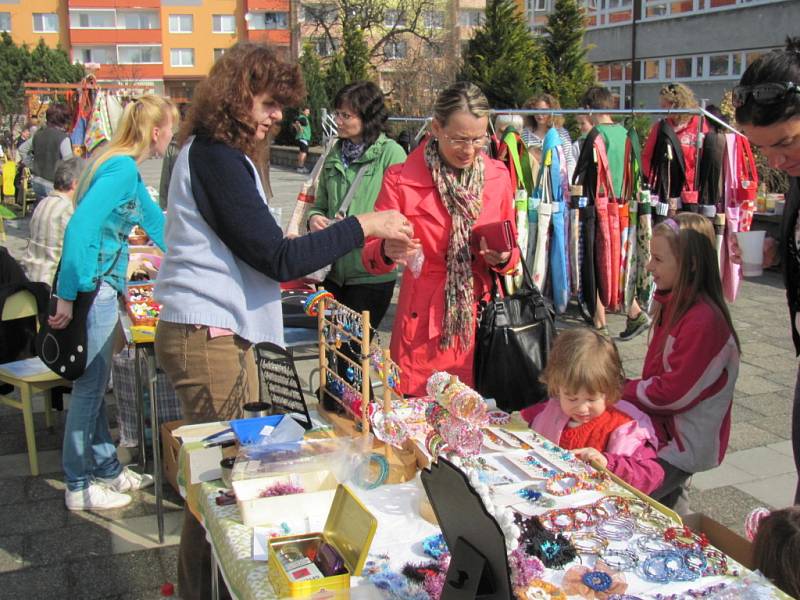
(539, 589)
(598, 582)
(524, 568)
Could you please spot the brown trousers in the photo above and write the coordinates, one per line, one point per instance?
(213, 378)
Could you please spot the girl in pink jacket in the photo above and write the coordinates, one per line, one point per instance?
(584, 377)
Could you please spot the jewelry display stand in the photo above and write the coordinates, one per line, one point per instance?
(337, 325)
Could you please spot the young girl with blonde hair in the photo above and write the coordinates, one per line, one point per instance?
(110, 200)
(584, 377)
(692, 361)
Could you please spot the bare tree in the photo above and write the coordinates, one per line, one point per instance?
(380, 22)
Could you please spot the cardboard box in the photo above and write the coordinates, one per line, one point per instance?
(170, 448)
(722, 538)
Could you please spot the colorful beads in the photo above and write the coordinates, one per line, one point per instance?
(310, 306)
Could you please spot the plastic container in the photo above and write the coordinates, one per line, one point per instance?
(751, 243)
(251, 431)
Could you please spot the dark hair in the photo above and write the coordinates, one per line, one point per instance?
(67, 173)
(223, 102)
(367, 100)
(778, 66)
(776, 549)
(58, 115)
(598, 97)
(714, 110)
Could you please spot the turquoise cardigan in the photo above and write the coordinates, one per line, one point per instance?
(115, 201)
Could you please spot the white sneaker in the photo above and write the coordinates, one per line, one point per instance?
(96, 497)
(127, 480)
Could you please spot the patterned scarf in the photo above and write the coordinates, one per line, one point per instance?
(351, 151)
(461, 194)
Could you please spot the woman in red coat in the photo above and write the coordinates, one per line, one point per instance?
(446, 187)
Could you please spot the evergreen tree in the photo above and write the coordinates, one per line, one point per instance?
(356, 53)
(336, 75)
(316, 98)
(18, 64)
(503, 59)
(570, 73)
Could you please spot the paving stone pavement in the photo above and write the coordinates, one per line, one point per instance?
(49, 552)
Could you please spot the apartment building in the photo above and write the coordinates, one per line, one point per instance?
(168, 43)
(640, 45)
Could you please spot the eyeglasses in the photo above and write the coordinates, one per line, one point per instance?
(764, 93)
(342, 116)
(464, 143)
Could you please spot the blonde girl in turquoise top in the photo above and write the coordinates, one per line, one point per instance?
(111, 199)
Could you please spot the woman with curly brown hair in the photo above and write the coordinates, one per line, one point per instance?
(218, 283)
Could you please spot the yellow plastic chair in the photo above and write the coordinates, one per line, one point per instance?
(20, 305)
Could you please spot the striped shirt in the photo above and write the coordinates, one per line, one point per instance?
(531, 139)
(48, 223)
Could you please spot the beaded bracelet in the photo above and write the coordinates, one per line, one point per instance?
(555, 487)
(612, 505)
(702, 593)
(616, 528)
(310, 305)
(498, 417)
(621, 560)
(588, 543)
(673, 565)
(717, 563)
(647, 544)
(684, 537)
(546, 471)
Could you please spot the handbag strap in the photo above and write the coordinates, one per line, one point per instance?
(745, 156)
(603, 171)
(348, 199)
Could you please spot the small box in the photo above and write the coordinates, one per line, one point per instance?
(349, 528)
(320, 489)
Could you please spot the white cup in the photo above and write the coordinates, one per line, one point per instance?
(751, 243)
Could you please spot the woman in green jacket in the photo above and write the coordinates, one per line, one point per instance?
(361, 116)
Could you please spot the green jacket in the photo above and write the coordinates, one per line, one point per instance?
(333, 184)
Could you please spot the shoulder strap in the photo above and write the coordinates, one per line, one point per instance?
(342, 212)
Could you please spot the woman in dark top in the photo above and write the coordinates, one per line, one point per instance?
(768, 112)
(218, 283)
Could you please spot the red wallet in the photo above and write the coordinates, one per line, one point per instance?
(499, 236)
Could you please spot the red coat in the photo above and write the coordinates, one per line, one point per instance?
(409, 188)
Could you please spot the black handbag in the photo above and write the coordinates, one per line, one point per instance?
(515, 334)
(64, 351)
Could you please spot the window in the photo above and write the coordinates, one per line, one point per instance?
(540, 5)
(218, 52)
(657, 10)
(103, 55)
(181, 57)
(434, 19)
(698, 67)
(434, 50)
(718, 65)
(737, 64)
(394, 18)
(651, 69)
(135, 55)
(325, 47)
(395, 49)
(470, 18)
(270, 20)
(92, 19)
(683, 68)
(181, 23)
(319, 13)
(139, 20)
(223, 24)
(45, 23)
(5, 21)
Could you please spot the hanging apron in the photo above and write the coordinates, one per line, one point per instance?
(559, 274)
(605, 244)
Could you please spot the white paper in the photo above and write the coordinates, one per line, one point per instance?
(26, 368)
(204, 464)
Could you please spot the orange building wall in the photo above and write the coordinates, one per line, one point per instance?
(22, 22)
(202, 38)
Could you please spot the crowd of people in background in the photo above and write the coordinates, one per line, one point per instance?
(378, 209)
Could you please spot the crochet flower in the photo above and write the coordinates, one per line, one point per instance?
(596, 583)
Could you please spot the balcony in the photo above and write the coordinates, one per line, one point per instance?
(267, 5)
(280, 37)
(84, 37)
(118, 4)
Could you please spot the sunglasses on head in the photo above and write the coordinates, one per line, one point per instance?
(764, 93)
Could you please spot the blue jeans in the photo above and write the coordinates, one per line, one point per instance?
(88, 450)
